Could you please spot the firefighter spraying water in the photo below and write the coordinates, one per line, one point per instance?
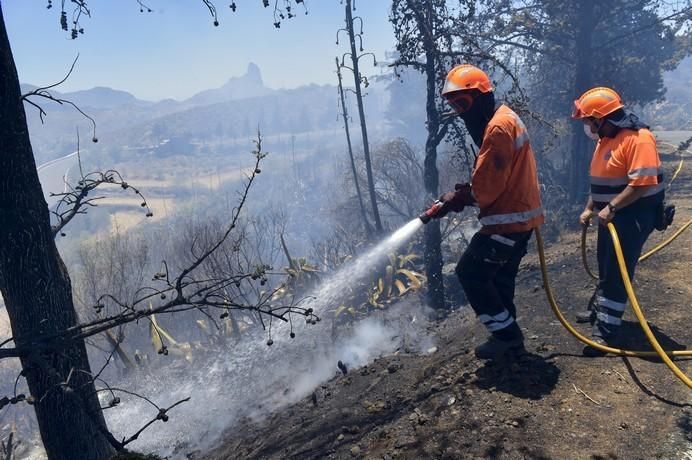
(505, 189)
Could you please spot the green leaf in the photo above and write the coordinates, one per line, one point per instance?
(413, 277)
(408, 258)
(401, 287)
(162, 331)
(202, 325)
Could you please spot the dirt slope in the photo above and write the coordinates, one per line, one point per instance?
(549, 404)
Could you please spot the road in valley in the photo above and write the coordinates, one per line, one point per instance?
(53, 175)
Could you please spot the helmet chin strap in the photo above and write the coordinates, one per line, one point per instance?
(599, 129)
(607, 128)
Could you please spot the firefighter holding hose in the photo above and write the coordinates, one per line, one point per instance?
(626, 189)
(504, 186)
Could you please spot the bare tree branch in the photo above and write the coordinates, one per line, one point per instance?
(162, 415)
(76, 199)
(44, 93)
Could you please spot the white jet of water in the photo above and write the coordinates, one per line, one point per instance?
(329, 292)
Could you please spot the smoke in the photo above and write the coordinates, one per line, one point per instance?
(250, 380)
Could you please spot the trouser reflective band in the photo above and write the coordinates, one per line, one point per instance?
(488, 271)
(609, 311)
(497, 322)
(609, 319)
(611, 304)
(634, 226)
(504, 240)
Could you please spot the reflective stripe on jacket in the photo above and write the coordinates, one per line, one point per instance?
(504, 180)
(629, 158)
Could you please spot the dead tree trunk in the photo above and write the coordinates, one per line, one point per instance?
(37, 292)
(581, 145)
(431, 177)
(361, 114)
(366, 223)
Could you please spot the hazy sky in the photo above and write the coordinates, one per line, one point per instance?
(175, 51)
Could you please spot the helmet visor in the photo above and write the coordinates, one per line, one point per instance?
(461, 101)
(577, 112)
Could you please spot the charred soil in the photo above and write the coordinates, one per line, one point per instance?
(551, 403)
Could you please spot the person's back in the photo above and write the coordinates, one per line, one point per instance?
(505, 180)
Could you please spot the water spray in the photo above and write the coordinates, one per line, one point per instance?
(296, 366)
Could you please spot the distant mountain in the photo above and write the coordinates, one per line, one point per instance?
(102, 97)
(249, 85)
(25, 87)
(99, 97)
(306, 109)
(234, 110)
(246, 86)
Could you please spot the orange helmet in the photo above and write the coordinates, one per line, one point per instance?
(466, 76)
(597, 103)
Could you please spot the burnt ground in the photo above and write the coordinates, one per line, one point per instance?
(551, 403)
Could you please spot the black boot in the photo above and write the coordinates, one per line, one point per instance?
(603, 339)
(588, 315)
(585, 316)
(593, 352)
(502, 342)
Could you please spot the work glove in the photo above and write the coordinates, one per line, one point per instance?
(456, 200)
(466, 194)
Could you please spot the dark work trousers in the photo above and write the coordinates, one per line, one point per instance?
(633, 225)
(487, 272)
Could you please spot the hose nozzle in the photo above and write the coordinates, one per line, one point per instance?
(431, 211)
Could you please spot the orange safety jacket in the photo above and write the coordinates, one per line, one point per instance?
(504, 181)
(629, 158)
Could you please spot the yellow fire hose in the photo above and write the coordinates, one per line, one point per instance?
(642, 258)
(665, 243)
(660, 352)
(679, 168)
(584, 259)
(682, 161)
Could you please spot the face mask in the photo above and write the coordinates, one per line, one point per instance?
(588, 132)
(477, 117)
